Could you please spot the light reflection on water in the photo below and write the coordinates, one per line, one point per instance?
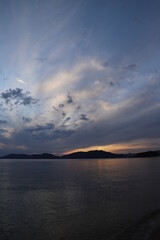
(75, 199)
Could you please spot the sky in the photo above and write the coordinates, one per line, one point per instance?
(79, 75)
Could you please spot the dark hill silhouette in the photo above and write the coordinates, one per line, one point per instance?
(148, 154)
(15, 156)
(32, 156)
(82, 155)
(44, 156)
(92, 154)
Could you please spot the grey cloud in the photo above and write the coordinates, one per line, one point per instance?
(83, 117)
(78, 107)
(18, 97)
(61, 105)
(49, 131)
(26, 119)
(2, 131)
(111, 131)
(56, 109)
(131, 67)
(28, 101)
(69, 99)
(41, 138)
(66, 120)
(63, 114)
(40, 128)
(137, 119)
(62, 133)
(105, 64)
(111, 84)
(3, 122)
(12, 94)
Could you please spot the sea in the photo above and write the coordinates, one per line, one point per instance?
(92, 199)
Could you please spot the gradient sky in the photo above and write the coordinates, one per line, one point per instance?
(79, 74)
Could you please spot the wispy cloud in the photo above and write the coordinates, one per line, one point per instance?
(66, 78)
(20, 81)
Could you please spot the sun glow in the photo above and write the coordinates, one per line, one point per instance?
(131, 147)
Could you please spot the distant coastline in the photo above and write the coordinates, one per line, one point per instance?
(83, 155)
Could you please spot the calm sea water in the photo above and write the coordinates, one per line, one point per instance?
(77, 199)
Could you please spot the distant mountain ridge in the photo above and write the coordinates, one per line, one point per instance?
(148, 154)
(82, 155)
(31, 156)
(92, 154)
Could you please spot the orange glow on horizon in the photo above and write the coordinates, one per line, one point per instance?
(134, 146)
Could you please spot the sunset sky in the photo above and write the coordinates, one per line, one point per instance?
(79, 75)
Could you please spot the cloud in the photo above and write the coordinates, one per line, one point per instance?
(27, 100)
(17, 97)
(49, 132)
(67, 77)
(56, 109)
(105, 64)
(61, 105)
(135, 119)
(131, 67)
(122, 102)
(69, 99)
(83, 117)
(40, 138)
(2, 145)
(62, 133)
(66, 120)
(3, 122)
(2, 131)
(39, 128)
(63, 114)
(20, 81)
(26, 119)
